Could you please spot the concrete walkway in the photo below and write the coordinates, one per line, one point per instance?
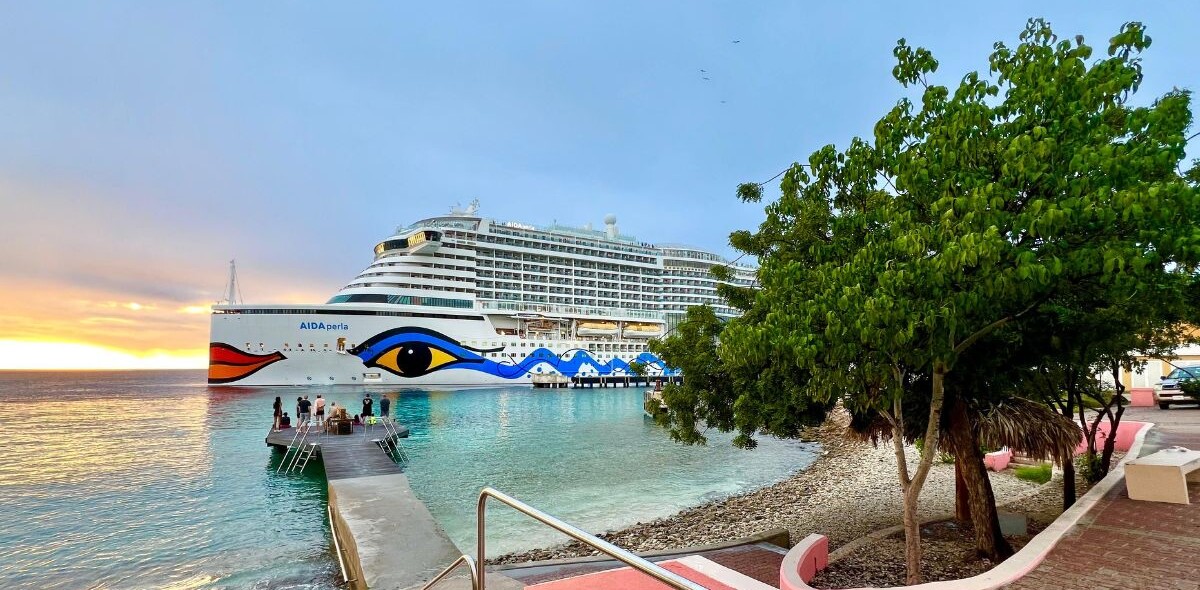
(1123, 543)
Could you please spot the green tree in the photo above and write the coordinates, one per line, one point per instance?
(891, 259)
(765, 397)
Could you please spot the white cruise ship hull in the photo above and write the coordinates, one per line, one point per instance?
(317, 345)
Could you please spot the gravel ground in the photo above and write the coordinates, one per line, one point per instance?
(850, 491)
(948, 550)
(947, 553)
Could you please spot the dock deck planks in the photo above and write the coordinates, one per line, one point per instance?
(347, 455)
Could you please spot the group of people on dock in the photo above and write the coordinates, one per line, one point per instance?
(307, 410)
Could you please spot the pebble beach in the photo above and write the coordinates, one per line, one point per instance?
(850, 491)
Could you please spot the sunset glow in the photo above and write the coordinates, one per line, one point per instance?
(36, 355)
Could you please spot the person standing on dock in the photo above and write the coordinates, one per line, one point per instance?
(320, 410)
(385, 405)
(278, 413)
(298, 400)
(305, 410)
(367, 406)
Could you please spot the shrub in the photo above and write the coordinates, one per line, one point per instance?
(1191, 387)
(1089, 468)
(1036, 473)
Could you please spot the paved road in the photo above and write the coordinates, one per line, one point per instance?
(1179, 425)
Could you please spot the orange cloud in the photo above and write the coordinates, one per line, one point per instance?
(79, 328)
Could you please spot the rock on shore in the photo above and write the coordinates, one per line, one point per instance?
(851, 490)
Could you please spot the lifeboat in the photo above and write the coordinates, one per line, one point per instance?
(596, 328)
(643, 330)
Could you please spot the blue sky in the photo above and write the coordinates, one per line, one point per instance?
(142, 145)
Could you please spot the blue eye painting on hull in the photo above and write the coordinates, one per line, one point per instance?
(412, 352)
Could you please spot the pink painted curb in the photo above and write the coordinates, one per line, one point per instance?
(1127, 431)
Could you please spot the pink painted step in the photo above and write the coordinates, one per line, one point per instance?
(702, 571)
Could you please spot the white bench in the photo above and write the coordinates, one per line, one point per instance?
(1163, 476)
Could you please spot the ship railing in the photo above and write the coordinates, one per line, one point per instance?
(478, 579)
(615, 312)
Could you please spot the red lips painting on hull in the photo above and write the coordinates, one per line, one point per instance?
(227, 364)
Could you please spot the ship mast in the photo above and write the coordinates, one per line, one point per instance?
(233, 293)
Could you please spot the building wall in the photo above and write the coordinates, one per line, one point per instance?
(1154, 368)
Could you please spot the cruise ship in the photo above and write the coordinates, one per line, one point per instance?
(465, 300)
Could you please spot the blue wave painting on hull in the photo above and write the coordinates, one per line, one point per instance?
(413, 352)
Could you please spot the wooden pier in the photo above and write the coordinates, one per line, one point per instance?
(357, 454)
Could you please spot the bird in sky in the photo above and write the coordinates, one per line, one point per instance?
(737, 41)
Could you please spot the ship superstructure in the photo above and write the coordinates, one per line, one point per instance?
(465, 300)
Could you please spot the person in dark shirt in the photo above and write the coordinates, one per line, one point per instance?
(285, 421)
(278, 411)
(385, 405)
(368, 404)
(305, 410)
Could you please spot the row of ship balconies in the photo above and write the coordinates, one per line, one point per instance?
(569, 309)
(569, 245)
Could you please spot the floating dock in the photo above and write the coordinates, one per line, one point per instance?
(357, 454)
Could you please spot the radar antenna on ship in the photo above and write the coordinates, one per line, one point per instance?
(233, 292)
(470, 211)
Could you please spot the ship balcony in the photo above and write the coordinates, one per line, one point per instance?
(568, 310)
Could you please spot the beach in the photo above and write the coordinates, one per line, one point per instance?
(850, 491)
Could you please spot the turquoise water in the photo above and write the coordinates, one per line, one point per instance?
(153, 480)
(587, 456)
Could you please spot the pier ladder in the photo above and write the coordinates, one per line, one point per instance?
(299, 450)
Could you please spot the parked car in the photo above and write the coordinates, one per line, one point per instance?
(1169, 391)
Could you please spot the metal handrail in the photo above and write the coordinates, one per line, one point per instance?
(476, 584)
(336, 546)
(661, 574)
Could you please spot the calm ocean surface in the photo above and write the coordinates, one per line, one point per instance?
(153, 480)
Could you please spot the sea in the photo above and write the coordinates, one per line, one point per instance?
(152, 479)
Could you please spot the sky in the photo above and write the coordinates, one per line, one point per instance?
(144, 145)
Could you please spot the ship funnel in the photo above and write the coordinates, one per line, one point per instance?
(610, 226)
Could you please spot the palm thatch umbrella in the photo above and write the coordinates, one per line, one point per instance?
(1024, 426)
(1029, 428)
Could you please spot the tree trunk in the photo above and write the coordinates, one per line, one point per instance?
(912, 536)
(985, 521)
(962, 510)
(1068, 468)
(912, 487)
(1110, 443)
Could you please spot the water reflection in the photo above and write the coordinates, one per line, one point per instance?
(150, 480)
(93, 438)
